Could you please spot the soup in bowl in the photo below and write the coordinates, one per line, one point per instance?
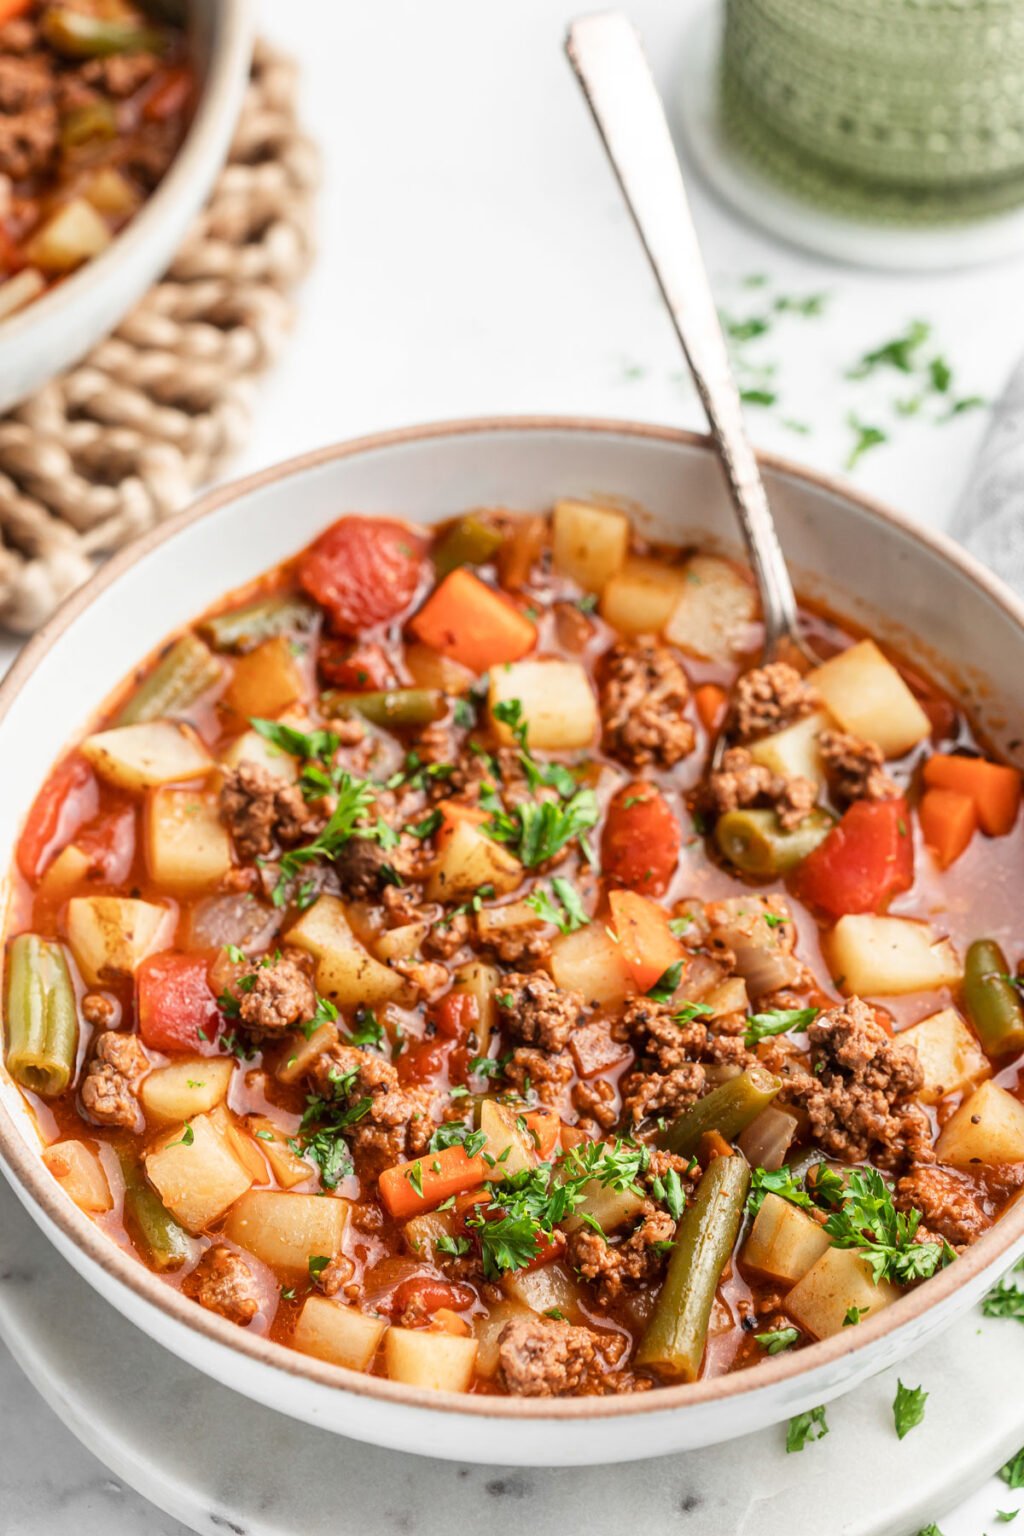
(452, 965)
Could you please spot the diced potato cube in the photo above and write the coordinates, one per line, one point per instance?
(590, 961)
(549, 1287)
(886, 956)
(715, 610)
(196, 1171)
(112, 935)
(401, 943)
(266, 681)
(640, 598)
(137, 757)
(346, 973)
(429, 669)
(75, 233)
(68, 869)
(589, 543)
(468, 859)
(794, 752)
(190, 1086)
(302, 1053)
(289, 1168)
(78, 1169)
(839, 1280)
(251, 747)
(867, 695)
(949, 1053)
(286, 1230)
(441, 1362)
(610, 1208)
(511, 1148)
(987, 1128)
(558, 704)
(108, 191)
(187, 845)
(421, 1233)
(784, 1242)
(488, 1327)
(343, 1335)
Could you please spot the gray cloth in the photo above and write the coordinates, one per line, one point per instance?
(989, 520)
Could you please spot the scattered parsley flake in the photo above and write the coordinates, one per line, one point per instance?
(777, 1340)
(777, 1021)
(804, 1428)
(665, 986)
(908, 1408)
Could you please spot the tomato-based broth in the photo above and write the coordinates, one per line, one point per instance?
(95, 98)
(457, 957)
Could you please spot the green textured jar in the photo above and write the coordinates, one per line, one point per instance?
(898, 111)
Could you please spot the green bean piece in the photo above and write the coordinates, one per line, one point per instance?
(676, 1334)
(77, 35)
(754, 843)
(470, 542)
(188, 670)
(151, 1227)
(243, 629)
(728, 1109)
(992, 1001)
(403, 706)
(94, 120)
(41, 1016)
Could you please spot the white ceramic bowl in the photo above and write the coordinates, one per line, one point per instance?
(869, 564)
(58, 329)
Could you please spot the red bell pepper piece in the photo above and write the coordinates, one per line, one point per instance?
(867, 858)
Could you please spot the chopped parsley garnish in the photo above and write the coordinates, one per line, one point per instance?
(454, 1133)
(309, 746)
(324, 1013)
(317, 1262)
(355, 798)
(427, 827)
(690, 1011)
(775, 1181)
(868, 1221)
(804, 1428)
(464, 714)
(866, 437)
(900, 353)
(669, 1190)
(455, 1247)
(778, 1340)
(908, 1408)
(537, 830)
(368, 1030)
(186, 1138)
(522, 1212)
(322, 1130)
(665, 986)
(776, 1021)
(569, 915)
(1004, 1300)
(1004, 1516)
(1013, 1472)
(679, 925)
(489, 1066)
(854, 1315)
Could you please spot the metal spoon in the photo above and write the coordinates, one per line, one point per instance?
(608, 58)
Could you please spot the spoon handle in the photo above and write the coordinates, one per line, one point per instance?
(616, 79)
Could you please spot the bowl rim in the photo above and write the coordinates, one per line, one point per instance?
(24, 1165)
(217, 101)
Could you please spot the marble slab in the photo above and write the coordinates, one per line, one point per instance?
(219, 1463)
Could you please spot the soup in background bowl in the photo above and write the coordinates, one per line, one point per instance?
(453, 967)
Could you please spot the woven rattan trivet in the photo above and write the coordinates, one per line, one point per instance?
(122, 441)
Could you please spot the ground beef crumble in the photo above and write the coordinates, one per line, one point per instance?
(740, 783)
(856, 1094)
(223, 1282)
(855, 769)
(281, 995)
(613, 1267)
(398, 1122)
(531, 1008)
(538, 1357)
(111, 1082)
(261, 811)
(643, 695)
(769, 698)
(947, 1204)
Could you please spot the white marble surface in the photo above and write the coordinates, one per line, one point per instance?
(475, 258)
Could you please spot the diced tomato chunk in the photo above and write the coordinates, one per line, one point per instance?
(359, 668)
(169, 95)
(423, 1059)
(177, 1010)
(867, 858)
(641, 840)
(69, 798)
(364, 571)
(456, 1015)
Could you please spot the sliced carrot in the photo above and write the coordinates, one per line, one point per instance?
(647, 942)
(994, 788)
(543, 1126)
(948, 821)
(419, 1185)
(470, 622)
(710, 701)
